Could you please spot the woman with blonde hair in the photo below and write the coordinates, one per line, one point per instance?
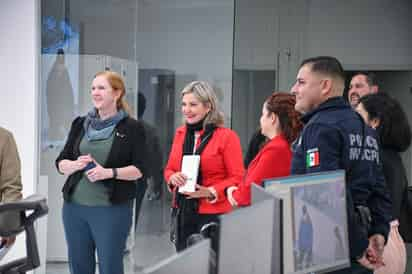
(220, 165)
(103, 158)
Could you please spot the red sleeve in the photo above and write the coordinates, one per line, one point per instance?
(273, 162)
(232, 157)
(175, 158)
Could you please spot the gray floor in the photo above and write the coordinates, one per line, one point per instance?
(148, 250)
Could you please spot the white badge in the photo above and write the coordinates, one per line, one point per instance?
(190, 168)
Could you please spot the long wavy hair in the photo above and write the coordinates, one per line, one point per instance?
(283, 105)
(394, 129)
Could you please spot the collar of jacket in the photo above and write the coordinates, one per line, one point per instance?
(334, 103)
(81, 132)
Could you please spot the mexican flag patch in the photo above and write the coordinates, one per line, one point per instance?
(312, 157)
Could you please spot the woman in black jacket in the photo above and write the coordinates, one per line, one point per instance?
(385, 114)
(103, 158)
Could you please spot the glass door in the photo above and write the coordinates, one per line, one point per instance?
(78, 39)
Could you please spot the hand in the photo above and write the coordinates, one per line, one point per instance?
(8, 241)
(373, 257)
(83, 160)
(68, 167)
(364, 261)
(98, 173)
(229, 195)
(177, 179)
(201, 192)
(376, 248)
(369, 261)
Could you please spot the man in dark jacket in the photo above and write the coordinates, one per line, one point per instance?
(361, 84)
(338, 138)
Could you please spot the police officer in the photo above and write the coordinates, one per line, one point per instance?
(337, 138)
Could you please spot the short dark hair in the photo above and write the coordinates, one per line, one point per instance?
(326, 65)
(370, 77)
(394, 129)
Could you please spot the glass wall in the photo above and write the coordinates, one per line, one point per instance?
(255, 65)
(79, 39)
(269, 43)
(177, 42)
(158, 47)
(245, 49)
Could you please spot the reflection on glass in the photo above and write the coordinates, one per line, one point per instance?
(250, 89)
(60, 100)
(59, 34)
(158, 47)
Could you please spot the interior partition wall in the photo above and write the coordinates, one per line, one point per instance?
(245, 49)
(78, 39)
(158, 47)
(20, 90)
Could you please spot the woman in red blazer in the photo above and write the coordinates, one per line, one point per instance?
(280, 123)
(221, 163)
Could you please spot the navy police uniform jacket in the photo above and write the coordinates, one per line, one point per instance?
(335, 137)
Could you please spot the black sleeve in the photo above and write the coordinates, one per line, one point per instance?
(395, 178)
(380, 204)
(254, 146)
(68, 150)
(369, 188)
(140, 153)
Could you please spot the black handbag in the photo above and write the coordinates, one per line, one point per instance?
(187, 208)
(174, 224)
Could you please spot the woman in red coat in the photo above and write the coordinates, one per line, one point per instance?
(281, 125)
(220, 166)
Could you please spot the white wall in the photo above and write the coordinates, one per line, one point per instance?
(190, 38)
(370, 34)
(374, 34)
(19, 51)
(367, 34)
(256, 34)
(108, 27)
(195, 37)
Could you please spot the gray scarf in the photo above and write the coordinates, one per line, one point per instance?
(97, 129)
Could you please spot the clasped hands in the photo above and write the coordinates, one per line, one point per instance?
(94, 174)
(373, 256)
(179, 179)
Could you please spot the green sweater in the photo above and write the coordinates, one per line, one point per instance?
(86, 192)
